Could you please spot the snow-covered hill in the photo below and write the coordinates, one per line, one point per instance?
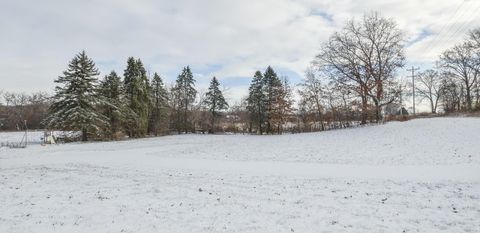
(421, 175)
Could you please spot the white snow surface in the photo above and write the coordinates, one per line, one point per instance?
(33, 136)
(417, 176)
(17, 136)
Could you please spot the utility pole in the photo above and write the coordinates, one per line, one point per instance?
(413, 69)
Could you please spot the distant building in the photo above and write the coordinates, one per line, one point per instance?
(394, 109)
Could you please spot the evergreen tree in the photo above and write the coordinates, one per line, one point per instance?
(256, 102)
(137, 96)
(144, 97)
(159, 109)
(76, 99)
(272, 87)
(214, 101)
(185, 93)
(114, 109)
(130, 74)
(129, 84)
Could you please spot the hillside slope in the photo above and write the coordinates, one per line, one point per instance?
(416, 176)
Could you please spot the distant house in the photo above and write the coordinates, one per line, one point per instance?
(394, 109)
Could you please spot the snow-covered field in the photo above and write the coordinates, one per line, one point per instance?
(34, 137)
(416, 176)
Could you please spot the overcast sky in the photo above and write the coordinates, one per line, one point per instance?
(222, 38)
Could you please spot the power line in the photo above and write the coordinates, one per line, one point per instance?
(435, 39)
(453, 29)
(461, 29)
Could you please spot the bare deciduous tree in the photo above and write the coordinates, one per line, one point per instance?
(429, 86)
(21, 106)
(459, 63)
(474, 42)
(312, 93)
(365, 56)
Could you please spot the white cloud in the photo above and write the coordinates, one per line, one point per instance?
(229, 39)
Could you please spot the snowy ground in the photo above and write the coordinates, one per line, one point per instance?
(416, 176)
(34, 137)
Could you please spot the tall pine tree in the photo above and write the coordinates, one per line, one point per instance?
(137, 92)
(159, 109)
(76, 101)
(256, 102)
(144, 97)
(272, 87)
(114, 109)
(185, 94)
(214, 101)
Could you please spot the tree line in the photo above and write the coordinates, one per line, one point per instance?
(16, 108)
(454, 82)
(132, 106)
(352, 80)
(354, 77)
(269, 102)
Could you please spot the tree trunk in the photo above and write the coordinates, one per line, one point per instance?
(364, 110)
(320, 118)
(260, 119)
(213, 123)
(84, 135)
(259, 124)
(185, 121)
(378, 111)
(432, 105)
(469, 99)
(320, 115)
(378, 107)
